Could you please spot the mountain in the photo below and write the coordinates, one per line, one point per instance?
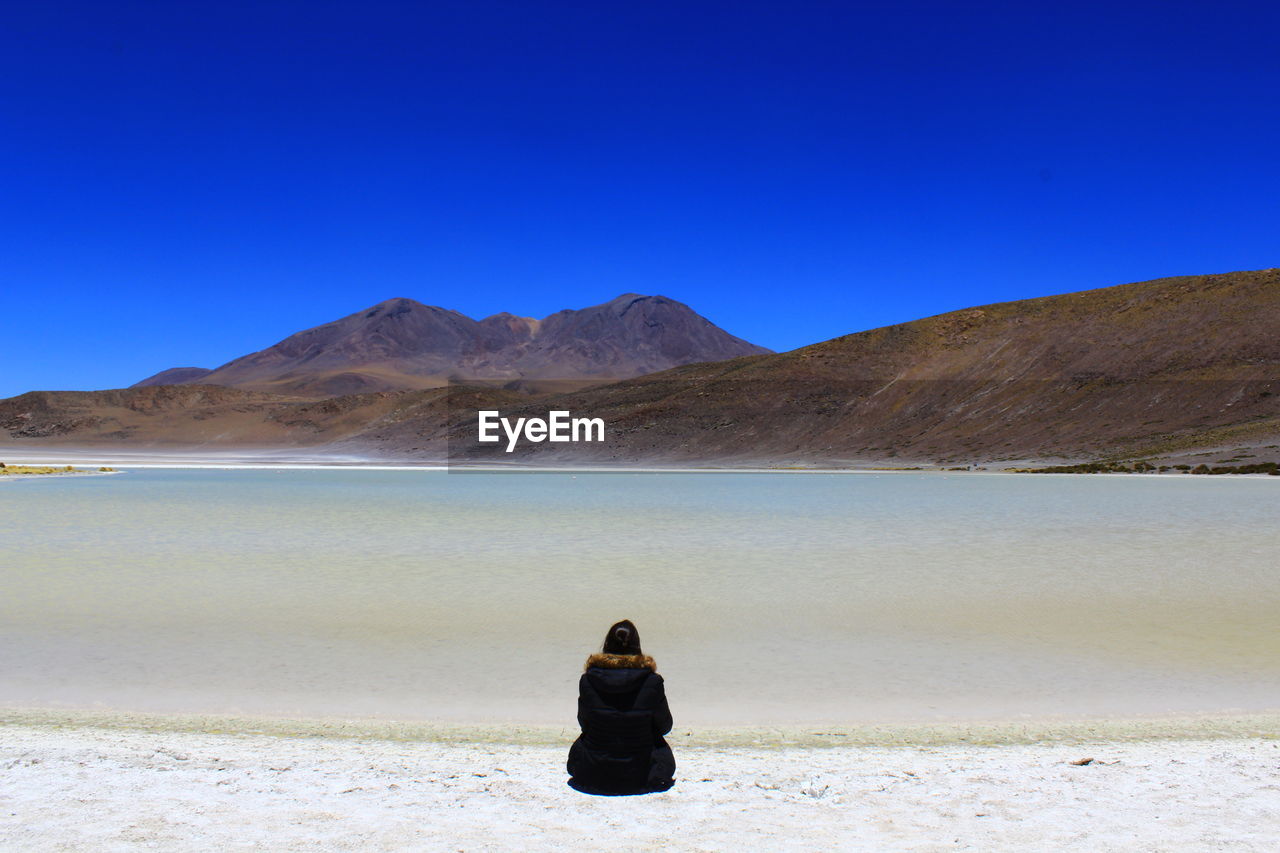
(174, 376)
(402, 344)
(1185, 368)
(1152, 368)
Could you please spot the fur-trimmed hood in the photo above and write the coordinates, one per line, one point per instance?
(608, 661)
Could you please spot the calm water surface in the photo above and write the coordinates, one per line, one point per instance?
(765, 597)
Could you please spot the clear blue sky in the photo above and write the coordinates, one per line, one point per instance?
(182, 183)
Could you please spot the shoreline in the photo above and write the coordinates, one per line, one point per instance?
(284, 460)
(56, 474)
(522, 469)
(995, 732)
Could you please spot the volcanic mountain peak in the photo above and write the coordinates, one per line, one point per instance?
(402, 344)
(624, 301)
(396, 304)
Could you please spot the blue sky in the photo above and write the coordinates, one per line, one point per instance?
(182, 183)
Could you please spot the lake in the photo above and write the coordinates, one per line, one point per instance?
(767, 598)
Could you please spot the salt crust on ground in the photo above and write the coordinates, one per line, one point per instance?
(87, 787)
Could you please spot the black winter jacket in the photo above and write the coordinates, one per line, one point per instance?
(622, 708)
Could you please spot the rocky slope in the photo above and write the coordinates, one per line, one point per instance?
(1147, 368)
(199, 417)
(175, 376)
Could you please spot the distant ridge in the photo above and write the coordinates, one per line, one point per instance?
(1140, 368)
(174, 376)
(401, 344)
(1181, 368)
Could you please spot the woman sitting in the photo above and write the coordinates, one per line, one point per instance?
(622, 709)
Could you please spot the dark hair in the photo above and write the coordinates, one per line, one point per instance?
(622, 639)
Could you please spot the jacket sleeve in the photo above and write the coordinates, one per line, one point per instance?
(583, 701)
(662, 721)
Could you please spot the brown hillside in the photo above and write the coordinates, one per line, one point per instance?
(1129, 369)
(213, 417)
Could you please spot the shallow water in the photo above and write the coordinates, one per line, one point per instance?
(766, 598)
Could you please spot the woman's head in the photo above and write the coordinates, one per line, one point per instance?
(622, 639)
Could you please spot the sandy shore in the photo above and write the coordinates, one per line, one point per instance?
(7, 478)
(94, 785)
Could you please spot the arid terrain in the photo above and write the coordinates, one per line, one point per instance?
(1178, 369)
(401, 344)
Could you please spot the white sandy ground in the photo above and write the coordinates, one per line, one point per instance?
(92, 787)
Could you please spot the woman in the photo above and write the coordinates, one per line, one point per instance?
(622, 708)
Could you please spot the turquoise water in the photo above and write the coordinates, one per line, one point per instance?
(766, 598)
